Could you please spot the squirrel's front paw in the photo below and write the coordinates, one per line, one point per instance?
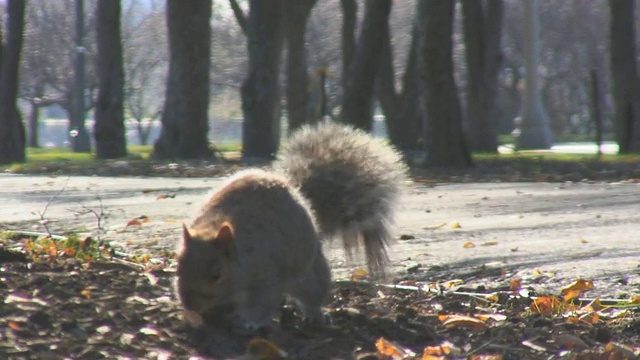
(317, 317)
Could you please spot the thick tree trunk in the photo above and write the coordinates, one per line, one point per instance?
(358, 94)
(297, 78)
(109, 128)
(625, 75)
(185, 125)
(482, 31)
(78, 135)
(402, 112)
(260, 90)
(12, 135)
(445, 140)
(349, 20)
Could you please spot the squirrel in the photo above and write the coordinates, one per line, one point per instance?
(258, 239)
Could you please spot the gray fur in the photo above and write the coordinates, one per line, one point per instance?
(353, 182)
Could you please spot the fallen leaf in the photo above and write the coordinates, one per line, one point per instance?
(489, 243)
(388, 348)
(570, 342)
(434, 227)
(86, 293)
(462, 321)
(455, 225)
(576, 289)
(260, 348)
(468, 245)
(546, 305)
(359, 274)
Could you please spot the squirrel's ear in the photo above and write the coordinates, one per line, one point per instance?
(186, 236)
(225, 240)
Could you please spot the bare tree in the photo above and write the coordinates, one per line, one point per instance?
(403, 116)
(145, 66)
(625, 75)
(109, 111)
(260, 89)
(12, 136)
(358, 93)
(297, 12)
(445, 141)
(482, 31)
(185, 125)
(49, 55)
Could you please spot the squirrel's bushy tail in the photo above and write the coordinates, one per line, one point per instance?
(353, 182)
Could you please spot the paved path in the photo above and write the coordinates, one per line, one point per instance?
(568, 230)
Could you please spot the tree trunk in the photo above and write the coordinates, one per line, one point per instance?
(445, 140)
(33, 123)
(185, 125)
(78, 135)
(349, 20)
(533, 130)
(109, 130)
(482, 31)
(624, 74)
(297, 78)
(12, 136)
(358, 94)
(260, 90)
(402, 112)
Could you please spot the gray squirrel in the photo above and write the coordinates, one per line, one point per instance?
(258, 238)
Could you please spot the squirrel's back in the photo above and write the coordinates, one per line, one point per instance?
(352, 180)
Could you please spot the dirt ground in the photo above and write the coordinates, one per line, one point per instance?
(471, 259)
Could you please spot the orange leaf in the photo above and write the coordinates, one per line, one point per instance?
(468, 245)
(387, 348)
(439, 351)
(86, 293)
(14, 325)
(576, 289)
(594, 305)
(133, 222)
(69, 251)
(545, 305)
(359, 274)
(515, 285)
(462, 321)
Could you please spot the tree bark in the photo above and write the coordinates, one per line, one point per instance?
(260, 90)
(445, 141)
(12, 135)
(403, 116)
(185, 125)
(349, 20)
(109, 128)
(625, 75)
(358, 93)
(298, 12)
(79, 137)
(482, 31)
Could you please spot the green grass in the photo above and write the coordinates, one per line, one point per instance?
(542, 156)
